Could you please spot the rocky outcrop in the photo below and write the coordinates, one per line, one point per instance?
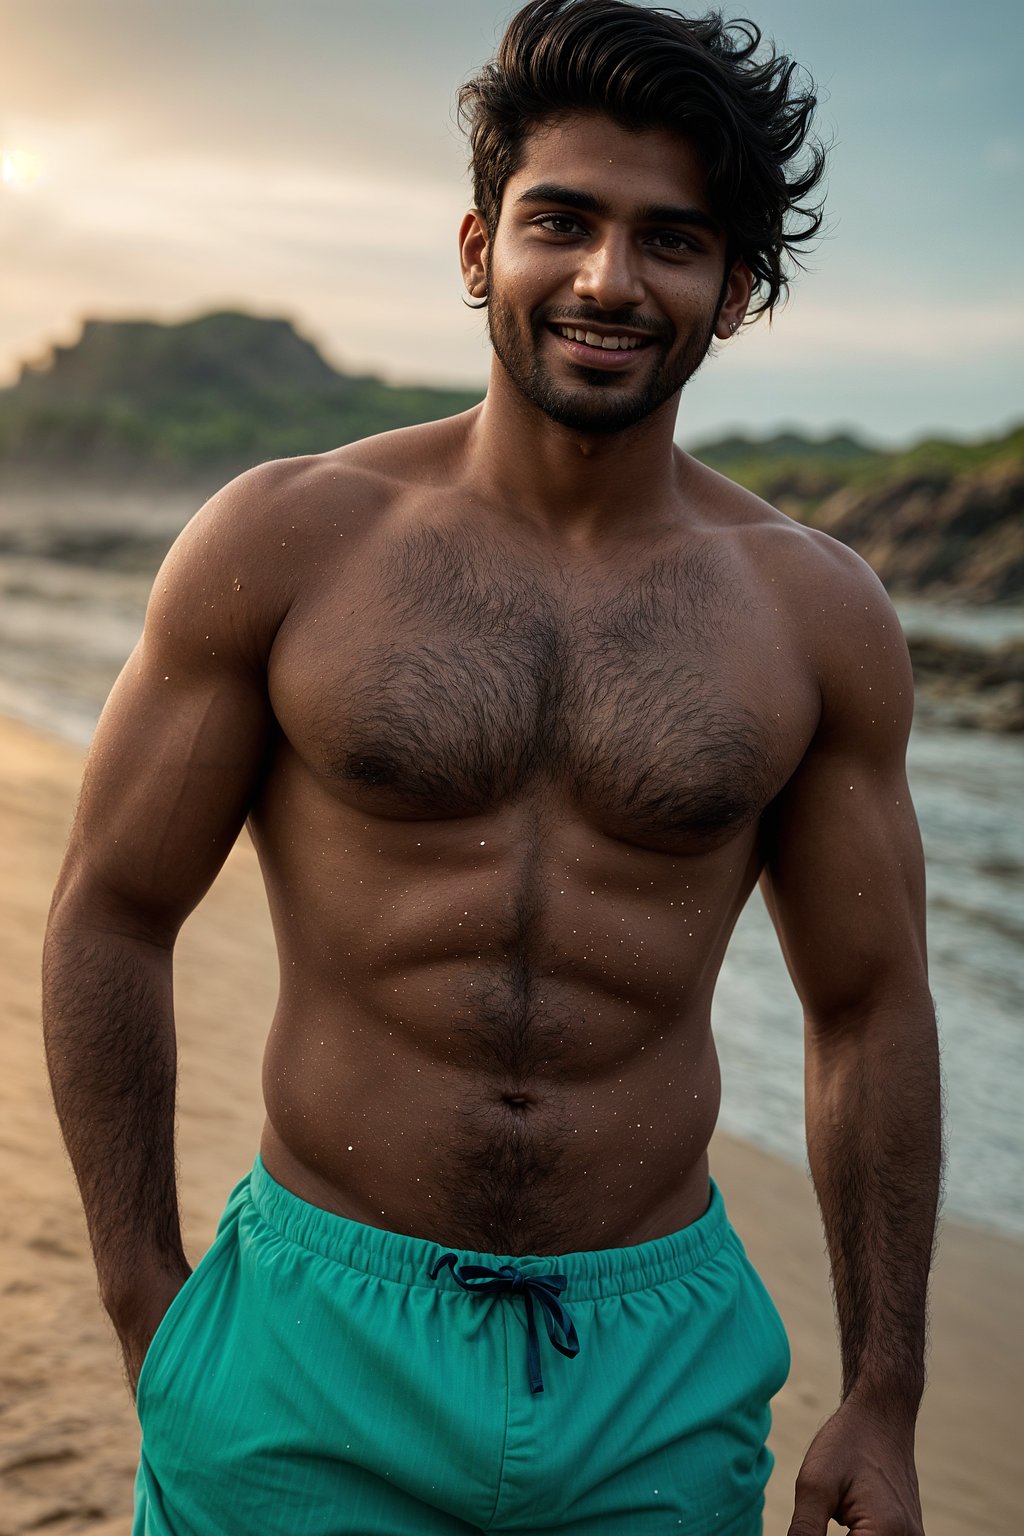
(938, 534)
(972, 686)
(147, 404)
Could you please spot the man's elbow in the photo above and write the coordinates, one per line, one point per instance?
(85, 902)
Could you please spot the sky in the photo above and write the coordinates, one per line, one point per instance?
(301, 158)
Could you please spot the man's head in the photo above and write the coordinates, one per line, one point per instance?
(630, 112)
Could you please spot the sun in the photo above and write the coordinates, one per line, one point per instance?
(19, 169)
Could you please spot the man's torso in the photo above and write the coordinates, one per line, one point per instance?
(512, 812)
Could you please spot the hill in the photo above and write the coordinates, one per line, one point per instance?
(940, 519)
(136, 399)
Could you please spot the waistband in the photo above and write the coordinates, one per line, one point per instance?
(590, 1274)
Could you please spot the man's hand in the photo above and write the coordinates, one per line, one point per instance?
(136, 1322)
(859, 1470)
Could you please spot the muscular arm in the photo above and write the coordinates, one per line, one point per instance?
(844, 883)
(167, 785)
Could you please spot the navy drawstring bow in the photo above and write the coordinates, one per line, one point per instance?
(509, 1280)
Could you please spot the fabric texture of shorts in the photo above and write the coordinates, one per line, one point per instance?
(313, 1379)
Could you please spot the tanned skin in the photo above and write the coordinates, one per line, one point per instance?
(518, 713)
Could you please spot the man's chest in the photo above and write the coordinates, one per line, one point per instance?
(665, 699)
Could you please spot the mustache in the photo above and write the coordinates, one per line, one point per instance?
(627, 318)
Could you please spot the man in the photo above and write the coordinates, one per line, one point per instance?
(519, 707)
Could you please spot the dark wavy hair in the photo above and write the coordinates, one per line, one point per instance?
(749, 118)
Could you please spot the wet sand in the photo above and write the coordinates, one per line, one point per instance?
(68, 1435)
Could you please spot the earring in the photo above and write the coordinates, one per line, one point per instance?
(732, 325)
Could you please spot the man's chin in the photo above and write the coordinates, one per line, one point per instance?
(599, 417)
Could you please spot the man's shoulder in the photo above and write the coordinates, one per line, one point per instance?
(838, 613)
(816, 572)
(413, 456)
(276, 513)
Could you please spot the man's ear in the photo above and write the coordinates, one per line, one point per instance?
(737, 296)
(474, 244)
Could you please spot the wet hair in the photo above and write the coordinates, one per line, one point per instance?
(700, 77)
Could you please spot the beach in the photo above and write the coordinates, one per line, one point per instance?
(68, 1433)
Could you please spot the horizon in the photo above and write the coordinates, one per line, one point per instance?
(340, 208)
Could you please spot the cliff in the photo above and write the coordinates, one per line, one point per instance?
(941, 519)
(138, 401)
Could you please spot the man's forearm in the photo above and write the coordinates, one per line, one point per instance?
(874, 1135)
(109, 1029)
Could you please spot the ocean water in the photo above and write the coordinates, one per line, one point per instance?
(66, 629)
(966, 787)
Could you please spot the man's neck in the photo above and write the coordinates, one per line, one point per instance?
(580, 489)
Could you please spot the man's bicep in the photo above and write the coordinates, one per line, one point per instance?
(176, 756)
(167, 789)
(843, 877)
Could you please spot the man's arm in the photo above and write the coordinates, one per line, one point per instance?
(844, 883)
(167, 786)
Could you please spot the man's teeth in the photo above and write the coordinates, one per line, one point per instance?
(592, 339)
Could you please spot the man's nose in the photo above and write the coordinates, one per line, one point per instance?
(609, 277)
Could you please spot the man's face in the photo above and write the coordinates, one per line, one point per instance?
(606, 232)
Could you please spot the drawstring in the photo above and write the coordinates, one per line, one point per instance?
(511, 1281)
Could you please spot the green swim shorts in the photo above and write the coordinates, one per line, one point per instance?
(319, 1377)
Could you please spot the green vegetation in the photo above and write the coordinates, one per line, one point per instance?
(799, 473)
(941, 518)
(174, 401)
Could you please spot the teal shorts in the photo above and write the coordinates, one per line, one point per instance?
(320, 1377)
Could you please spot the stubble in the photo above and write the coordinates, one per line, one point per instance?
(600, 402)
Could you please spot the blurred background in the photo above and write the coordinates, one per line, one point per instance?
(228, 233)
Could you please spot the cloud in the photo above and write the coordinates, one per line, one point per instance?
(371, 260)
(293, 162)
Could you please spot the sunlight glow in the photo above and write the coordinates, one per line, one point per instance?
(19, 170)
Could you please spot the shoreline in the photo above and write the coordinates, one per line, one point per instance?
(68, 1437)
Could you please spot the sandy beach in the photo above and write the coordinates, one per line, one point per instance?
(68, 1434)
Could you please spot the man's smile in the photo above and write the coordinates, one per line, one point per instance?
(599, 349)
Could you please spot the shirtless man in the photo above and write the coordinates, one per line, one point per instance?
(518, 707)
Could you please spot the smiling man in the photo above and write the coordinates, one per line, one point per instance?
(519, 708)
(621, 389)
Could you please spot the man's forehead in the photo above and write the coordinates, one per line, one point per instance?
(594, 152)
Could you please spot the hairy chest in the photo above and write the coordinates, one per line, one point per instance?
(664, 700)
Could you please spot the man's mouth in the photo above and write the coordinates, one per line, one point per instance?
(608, 343)
(605, 351)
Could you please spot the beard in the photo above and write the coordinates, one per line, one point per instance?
(601, 403)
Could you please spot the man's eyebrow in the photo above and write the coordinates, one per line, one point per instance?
(669, 213)
(569, 197)
(587, 202)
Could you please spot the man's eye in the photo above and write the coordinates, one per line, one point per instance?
(550, 220)
(673, 241)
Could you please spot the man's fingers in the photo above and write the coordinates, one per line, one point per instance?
(813, 1508)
